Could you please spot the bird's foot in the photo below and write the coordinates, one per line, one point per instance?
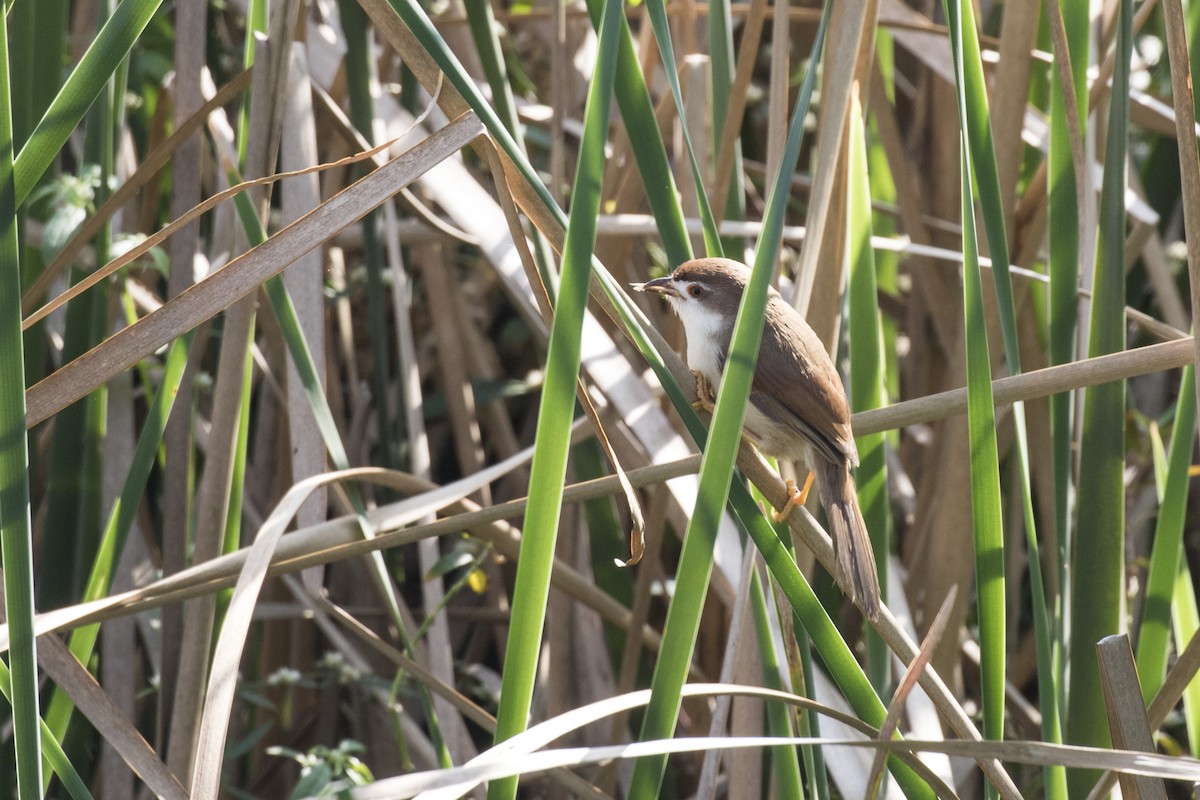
(705, 397)
(796, 497)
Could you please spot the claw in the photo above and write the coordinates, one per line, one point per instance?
(705, 399)
(796, 497)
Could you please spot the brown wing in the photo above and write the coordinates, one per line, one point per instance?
(800, 385)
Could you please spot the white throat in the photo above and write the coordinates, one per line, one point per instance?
(705, 331)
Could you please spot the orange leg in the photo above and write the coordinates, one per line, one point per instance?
(795, 498)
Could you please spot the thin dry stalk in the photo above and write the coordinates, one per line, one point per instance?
(189, 117)
(896, 707)
(1009, 95)
(119, 732)
(266, 121)
(848, 30)
(777, 91)
(304, 279)
(747, 55)
(1031, 385)
(1189, 162)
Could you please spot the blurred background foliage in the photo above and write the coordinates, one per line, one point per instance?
(196, 363)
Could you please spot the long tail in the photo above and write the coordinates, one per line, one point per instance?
(851, 542)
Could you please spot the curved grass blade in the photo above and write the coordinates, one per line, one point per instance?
(293, 336)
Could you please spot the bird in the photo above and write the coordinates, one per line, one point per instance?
(797, 408)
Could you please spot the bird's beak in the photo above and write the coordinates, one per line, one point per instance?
(659, 285)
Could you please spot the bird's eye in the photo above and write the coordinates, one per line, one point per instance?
(696, 291)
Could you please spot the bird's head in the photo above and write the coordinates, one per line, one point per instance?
(705, 293)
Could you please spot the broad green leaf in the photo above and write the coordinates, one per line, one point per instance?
(16, 534)
(1098, 561)
(867, 366)
(556, 412)
(1153, 640)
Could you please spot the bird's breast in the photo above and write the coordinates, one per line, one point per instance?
(705, 357)
(708, 334)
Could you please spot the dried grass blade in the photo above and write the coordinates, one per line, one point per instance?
(1189, 161)
(1179, 678)
(1021, 752)
(1126, 712)
(637, 534)
(839, 72)
(66, 671)
(342, 538)
(304, 279)
(538, 736)
(147, 171)
(243, 275)
(747, 56)
(222, 682)
(147, 244)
